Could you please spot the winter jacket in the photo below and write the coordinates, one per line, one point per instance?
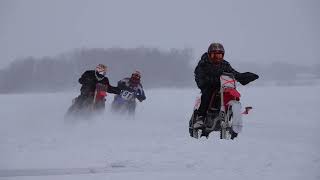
(207, 74)
(125, 84)
(90, 78)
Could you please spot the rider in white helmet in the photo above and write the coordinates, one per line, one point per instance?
(90, 79)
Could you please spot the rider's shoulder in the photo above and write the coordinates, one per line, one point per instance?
(204, 59)
(89, 72)
(203, 63)
(225, 61)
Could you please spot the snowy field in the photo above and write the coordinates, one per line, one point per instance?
(279, 139)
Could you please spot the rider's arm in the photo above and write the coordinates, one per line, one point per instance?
(231, 70)
(243, 78)
(201, 77)
(111, 89)
(121, 84)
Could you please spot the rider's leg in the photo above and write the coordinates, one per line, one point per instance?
(206, 95)
(84, 99)
(132, 108)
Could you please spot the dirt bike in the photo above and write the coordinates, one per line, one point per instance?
(228, 118)
(124, 103)
(93, 103)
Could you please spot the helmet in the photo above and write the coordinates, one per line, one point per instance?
(101, 69)
(215, 47)
(135, 77)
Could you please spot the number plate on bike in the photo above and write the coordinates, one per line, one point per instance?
(127, 95)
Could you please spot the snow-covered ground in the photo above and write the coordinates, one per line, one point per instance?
(279, 139)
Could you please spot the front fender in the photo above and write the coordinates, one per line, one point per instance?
(235, 108)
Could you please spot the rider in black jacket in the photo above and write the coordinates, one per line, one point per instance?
(207, 76)
(90, 79)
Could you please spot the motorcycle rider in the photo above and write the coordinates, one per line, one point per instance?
(131, 84)
(89, 79)
(207, 76)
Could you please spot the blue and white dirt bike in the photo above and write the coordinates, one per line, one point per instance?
(124, 103)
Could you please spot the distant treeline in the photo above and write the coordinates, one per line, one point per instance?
(159, 69)
(173, 68)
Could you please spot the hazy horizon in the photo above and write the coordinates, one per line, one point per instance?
(259, 31)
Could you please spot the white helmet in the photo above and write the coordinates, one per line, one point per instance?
(101, 69)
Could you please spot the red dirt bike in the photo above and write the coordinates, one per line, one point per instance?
(228, 118)
(92, 104)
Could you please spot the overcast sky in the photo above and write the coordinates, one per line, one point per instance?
(251, 30)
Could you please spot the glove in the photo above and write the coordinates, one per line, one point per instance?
(138, 93)
(140, 96)
(246, 78)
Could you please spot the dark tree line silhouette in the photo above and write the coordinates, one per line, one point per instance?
(159, 69)
(173, 68)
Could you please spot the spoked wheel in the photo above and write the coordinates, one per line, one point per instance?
(226, 131)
